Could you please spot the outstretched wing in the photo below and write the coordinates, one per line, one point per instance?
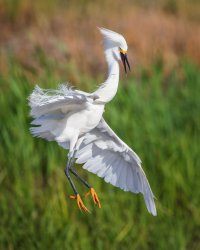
(50, 107)
(63, 100)
(105, 154)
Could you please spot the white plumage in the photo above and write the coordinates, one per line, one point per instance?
(74, 119)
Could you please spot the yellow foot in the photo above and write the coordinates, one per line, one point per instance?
(79, 201)
(94, 196)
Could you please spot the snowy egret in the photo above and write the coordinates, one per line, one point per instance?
(73, 119)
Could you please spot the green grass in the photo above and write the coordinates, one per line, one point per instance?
(157, 115)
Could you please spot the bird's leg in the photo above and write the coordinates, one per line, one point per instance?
(76, 196)
(72, 170)
(92, 191)
(68, 176)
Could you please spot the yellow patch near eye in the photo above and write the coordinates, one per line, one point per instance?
(123, 51)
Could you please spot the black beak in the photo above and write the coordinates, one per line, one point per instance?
(125, 61)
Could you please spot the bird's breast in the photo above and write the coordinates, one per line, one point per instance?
(84, 120)
(92, 117)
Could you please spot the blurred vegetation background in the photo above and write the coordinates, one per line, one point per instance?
(50, 42)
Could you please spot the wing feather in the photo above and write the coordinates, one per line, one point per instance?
(110, 166)
(130, 180)
(110, 158)
(63, 99)
(50, 107)
(116, 173)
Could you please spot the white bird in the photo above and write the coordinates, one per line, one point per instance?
(73, 119)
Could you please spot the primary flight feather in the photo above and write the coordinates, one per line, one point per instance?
(74, 119)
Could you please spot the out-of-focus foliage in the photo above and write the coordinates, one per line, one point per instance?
(156, 112)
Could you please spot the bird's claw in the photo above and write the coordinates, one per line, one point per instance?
(80, 203)
(94, 196)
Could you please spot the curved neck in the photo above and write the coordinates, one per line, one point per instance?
(113, 66)
(108, 89)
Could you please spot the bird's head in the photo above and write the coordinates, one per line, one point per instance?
(117, 43)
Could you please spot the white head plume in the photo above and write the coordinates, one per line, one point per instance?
(113, 39)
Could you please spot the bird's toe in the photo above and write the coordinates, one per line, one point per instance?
(80, 203)
(94, 197)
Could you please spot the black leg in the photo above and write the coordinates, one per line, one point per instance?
(68, 175)
(77, 196)
(71, 168)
